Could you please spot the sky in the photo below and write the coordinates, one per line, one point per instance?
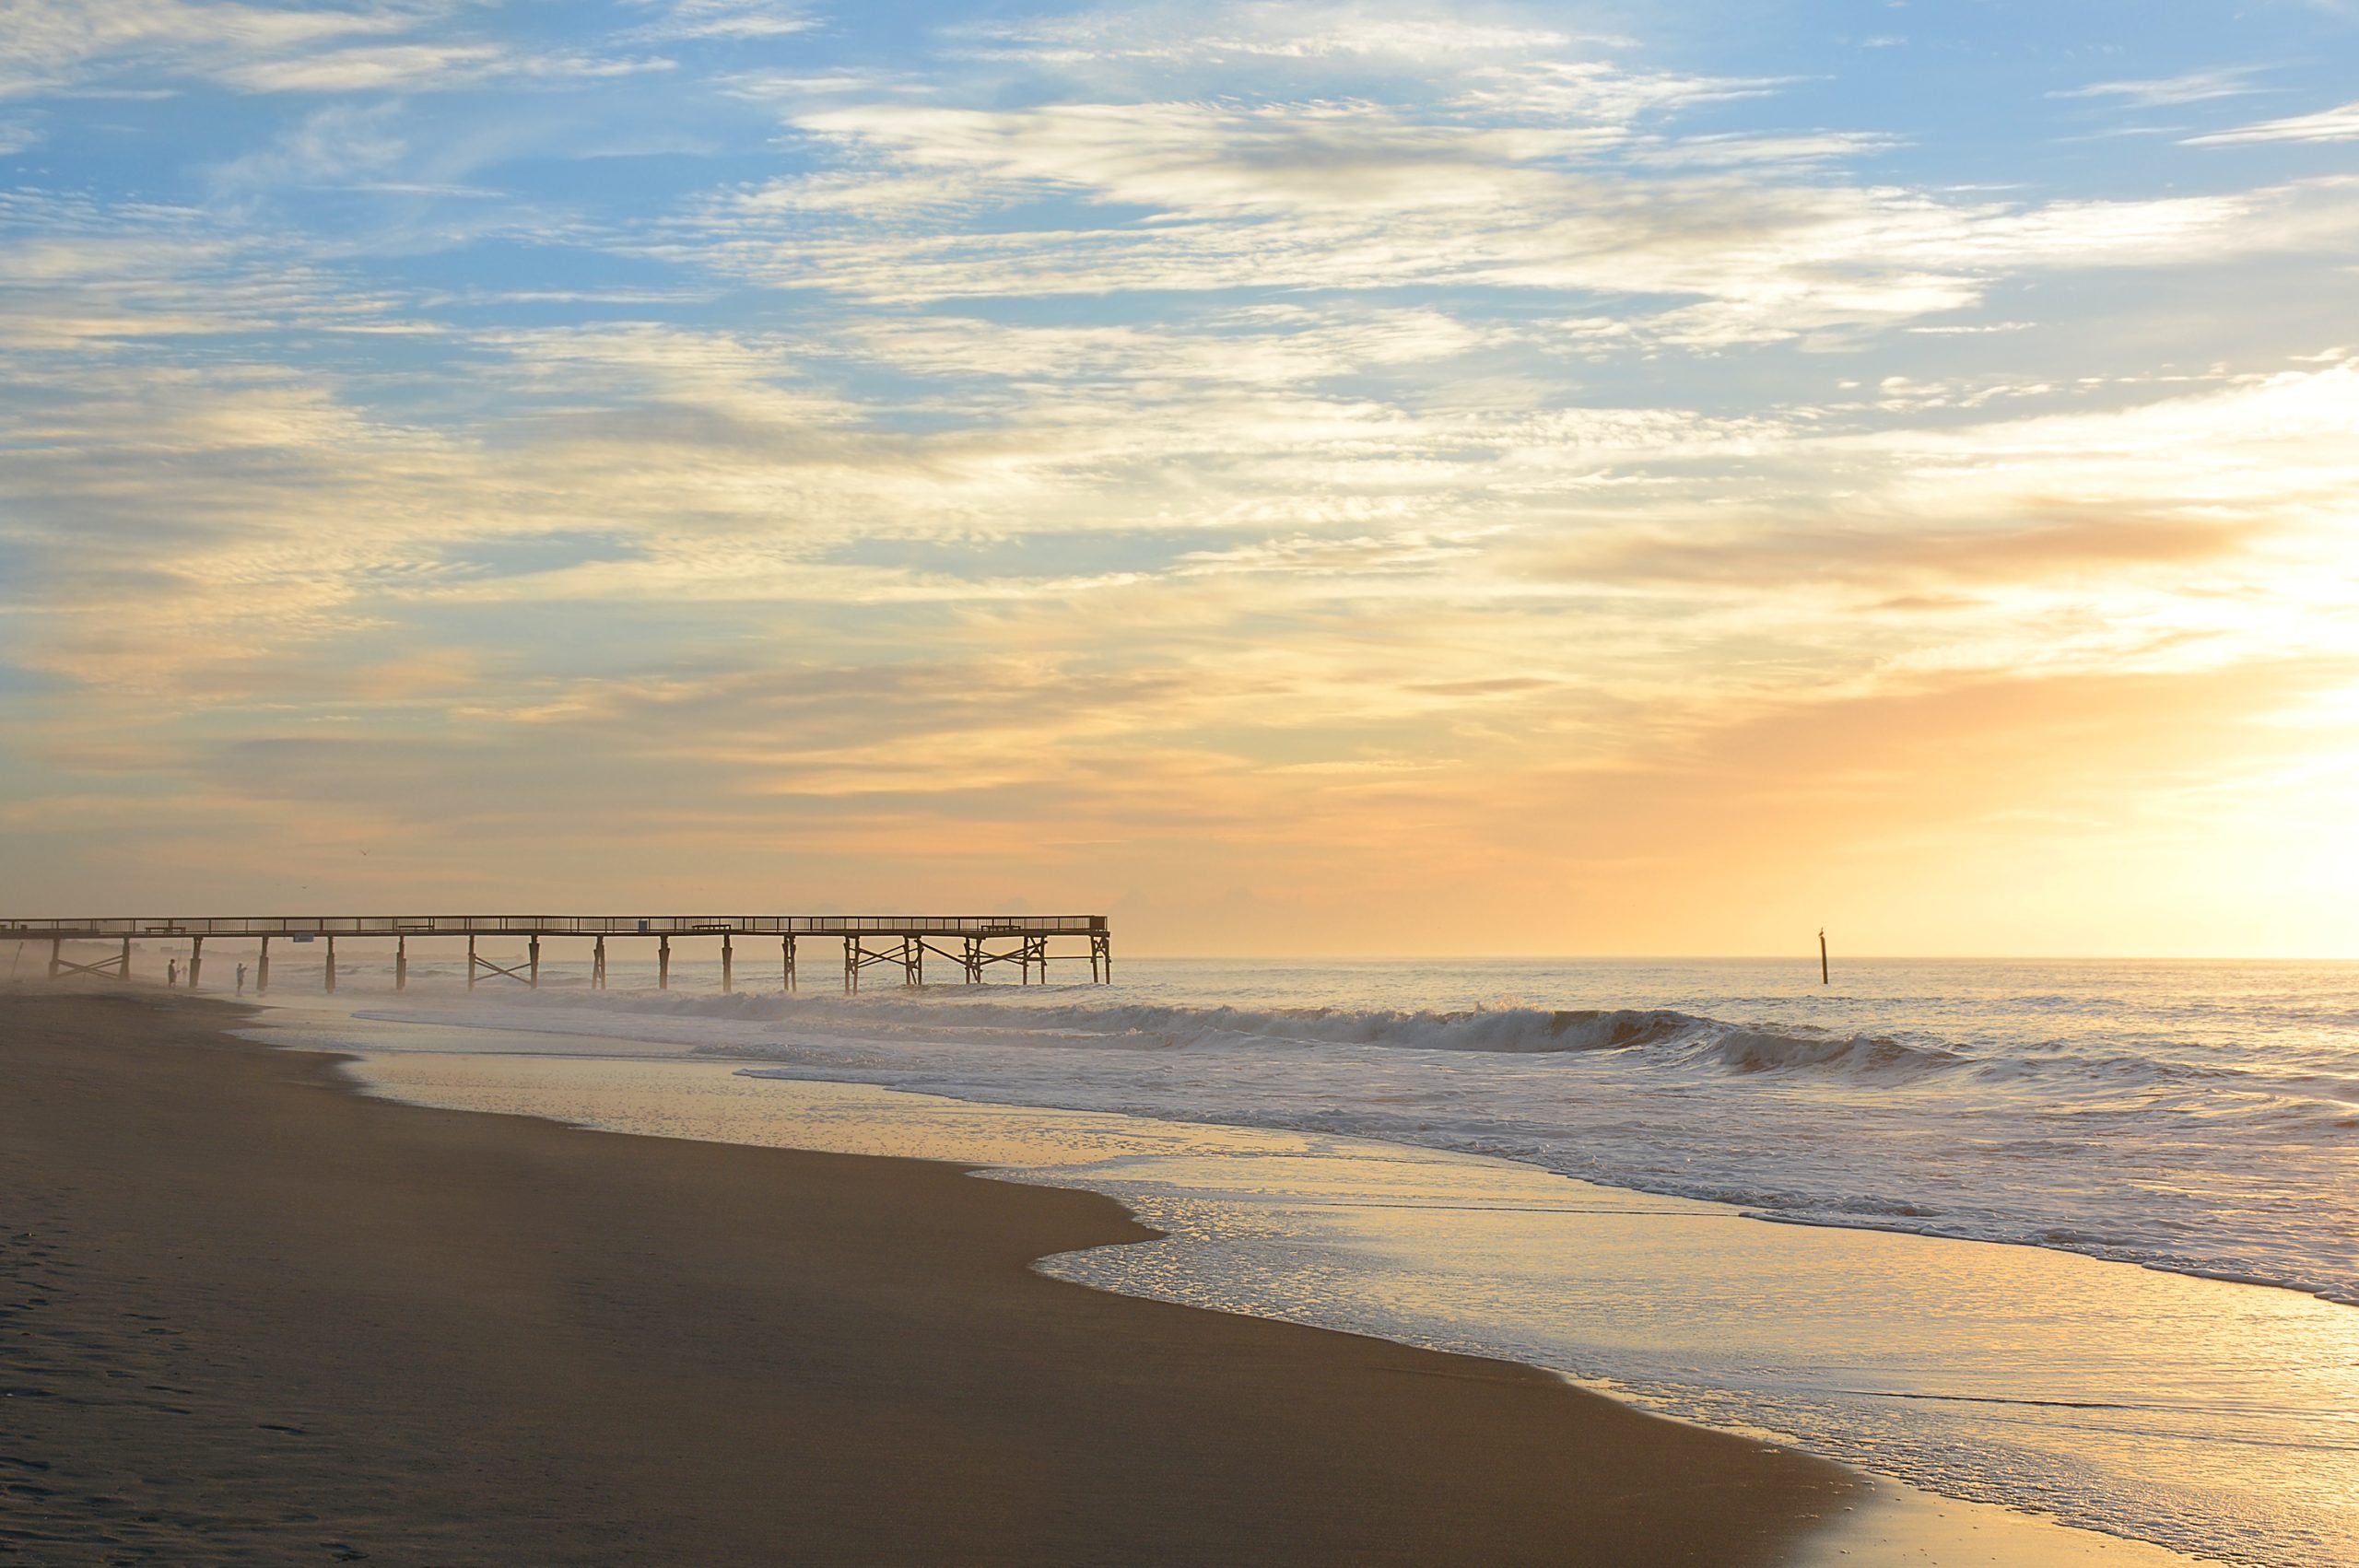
(1295, 477)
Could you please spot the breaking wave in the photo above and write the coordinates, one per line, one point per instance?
(2154, 1116)
(1663, 1033)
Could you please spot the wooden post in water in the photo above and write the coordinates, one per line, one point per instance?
(330, 968)
(195, 959)
(1822, 955)
(728, 973)
(598, 966)
(56, 948)
(126, 958)
(535, 981)
(471, 962)
(786, 959)
(400, 963)
(663, 963)
(262, 968)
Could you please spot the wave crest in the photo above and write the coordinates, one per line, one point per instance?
(1663, 1036)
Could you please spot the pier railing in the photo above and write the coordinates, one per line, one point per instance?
(72, 929)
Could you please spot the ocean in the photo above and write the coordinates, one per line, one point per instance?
(2198, 1120)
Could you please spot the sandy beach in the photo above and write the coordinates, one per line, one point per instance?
(248, 1316)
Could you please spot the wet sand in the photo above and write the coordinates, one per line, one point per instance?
(248, 1316)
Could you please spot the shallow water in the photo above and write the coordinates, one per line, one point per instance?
(2212, 1417)
(2198, 1118)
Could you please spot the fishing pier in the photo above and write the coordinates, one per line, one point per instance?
(973, 944)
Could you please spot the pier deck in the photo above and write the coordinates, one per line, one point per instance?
(896, 942)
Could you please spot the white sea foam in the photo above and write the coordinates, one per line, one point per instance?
(2200, 1119)
(2209, 1418)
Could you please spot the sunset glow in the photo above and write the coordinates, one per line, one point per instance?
(1564, 479)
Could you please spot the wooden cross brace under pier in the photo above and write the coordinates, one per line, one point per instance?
(117, 968)
(974, 957)
(908, 952)
(525, 974)
(1028, 953)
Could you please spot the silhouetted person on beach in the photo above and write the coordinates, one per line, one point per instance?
(172, 971)
(241, 980)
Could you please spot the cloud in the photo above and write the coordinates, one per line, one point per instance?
(694, 19)
(55, 45)
(2325, 125)
(2163, 92)
(78, 276)
(1209, 197)
(384, 67)
(1231, 35)
(1205, 160)
(338, 145)
(1734, 149)
(1491, 165)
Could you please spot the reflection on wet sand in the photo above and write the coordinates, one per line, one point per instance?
(2206, 1415)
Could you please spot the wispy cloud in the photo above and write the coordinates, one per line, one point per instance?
(2164, 92)
(1218, 197)
(411, 67)
(689, 19)
(2325, 125)
(341, 144)
(53, 43)
(1336, 32)
(374, 47)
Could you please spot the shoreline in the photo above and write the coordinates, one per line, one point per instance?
(1174, 1175)
(266, 1318)
(730, 1026)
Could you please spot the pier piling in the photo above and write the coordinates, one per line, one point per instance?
(727, 975)
(195, 959)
